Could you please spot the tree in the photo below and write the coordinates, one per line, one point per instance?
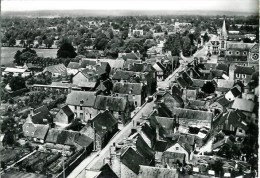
(186, 46)
(66, 50)
(48, 42)
(158, 28)
(205, 37)
(11, 41)
(208, 87)
(17, 83)
(173, 44)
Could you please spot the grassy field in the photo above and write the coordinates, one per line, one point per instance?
(7, 54)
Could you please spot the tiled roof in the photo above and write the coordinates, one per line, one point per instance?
(163, 110)
(125, 88)
(223, 67)
(132, 159)
(104, 122)
(85, 98)
(41, 131)
(103, 68)
(244, 70)
(236, 118)
(117, 64)
(112, 103)
(59, 68)
(40, 114)
(154, 172)
(126, 75)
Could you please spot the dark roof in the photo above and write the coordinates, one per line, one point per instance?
(132, 159)
(111, 103)
(28, 129)
(83, 140)
(167, 124)
(187, 78)
(130, 62)
(223, 101)
(235, 91)
(244, 70)
(73, 65)
(40, 114)
(66, 109)
(217, 73)
(163, 110)
(160, 145)
(105, 85)
(148, 131)
(224, 67)
(234, 117)
(239, 46)
(144, 149)
(160, 65)
(181, 81)
(210, 65)
(142, 67)
(125, 88)
(104, 122)
(85, 98)
(107, 172)
(18, 174)
(175, 156)
(177, 90)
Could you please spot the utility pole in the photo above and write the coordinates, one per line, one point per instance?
(94, 149)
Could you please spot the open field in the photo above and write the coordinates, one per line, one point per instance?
(7, 54)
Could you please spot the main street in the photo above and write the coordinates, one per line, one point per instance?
(96, 160)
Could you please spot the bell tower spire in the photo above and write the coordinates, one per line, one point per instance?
(223, 33)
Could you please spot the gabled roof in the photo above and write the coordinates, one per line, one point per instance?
(125, 88)
(84, 98)
(199, 82)
(59, 68)
(222, 83)
(117, 64)
(132, 159)
(103, 68)
(236, 118)
(40, 114)
(176, 97)
(192, 114)
(244, 70)
(104, 122)
(107, 172)
(66, 109)
(130, 62)
(176, 90)
(255, 48)
(111, 103)
(73, 65)
(159, 66)
(163, 110)
(41, 131)
(181, 81)
(63, 137)
(166, 123)
(243, 105)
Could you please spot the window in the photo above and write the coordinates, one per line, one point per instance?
(240, 130)
(245, 53)
(243, 75)
(237, 75)
(89, 115)
(230, 52)
(80, 107)
(237, 53)
(75, 107)
(244, 64)
(135, 103)
(177, 148)
(75, 114)
(81, 116)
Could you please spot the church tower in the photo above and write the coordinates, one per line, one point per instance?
(223, 36)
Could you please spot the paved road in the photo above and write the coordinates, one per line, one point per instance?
(96, 160)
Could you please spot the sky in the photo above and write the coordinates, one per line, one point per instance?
(216, 5)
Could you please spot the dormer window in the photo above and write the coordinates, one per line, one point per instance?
(229, 52)
(243, 75)
(237, 53)
(245, 53)
(237, 75)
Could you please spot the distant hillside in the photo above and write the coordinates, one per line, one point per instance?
(77, 13)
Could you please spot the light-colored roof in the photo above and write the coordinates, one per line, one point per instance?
(154, 172)
(14, 70)
(243, 105)
(221, 83)
(92, 174)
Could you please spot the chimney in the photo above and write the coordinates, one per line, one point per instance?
(107, 108)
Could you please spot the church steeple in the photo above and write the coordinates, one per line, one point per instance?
(223, 33)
